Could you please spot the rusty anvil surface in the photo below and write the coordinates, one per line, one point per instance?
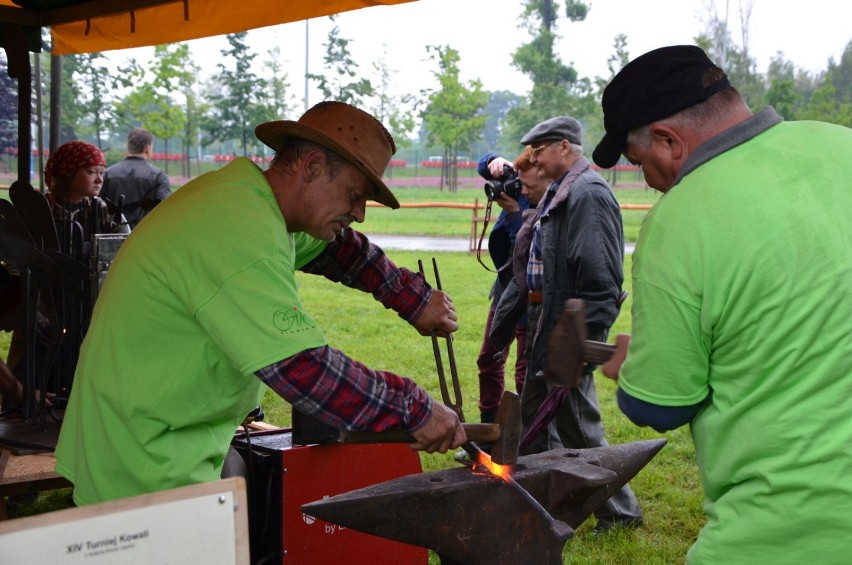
(470, 516)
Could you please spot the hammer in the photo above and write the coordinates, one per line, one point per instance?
(568, 350)
(504, 433)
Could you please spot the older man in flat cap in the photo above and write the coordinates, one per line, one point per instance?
(742, 305)
(576, 250)
(201, 310)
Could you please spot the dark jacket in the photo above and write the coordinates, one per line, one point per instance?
(583, 252)
(142, 185)
(501, 240)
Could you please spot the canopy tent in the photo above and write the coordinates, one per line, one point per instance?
(101, 25)
(86, 26)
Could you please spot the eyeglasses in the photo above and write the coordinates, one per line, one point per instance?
(536, 150)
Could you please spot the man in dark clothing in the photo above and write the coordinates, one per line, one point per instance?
(500, 242)
(142, 185)
(571, 247)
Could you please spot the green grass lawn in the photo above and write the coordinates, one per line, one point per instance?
(452, 222)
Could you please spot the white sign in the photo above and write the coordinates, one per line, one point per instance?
(206, 523)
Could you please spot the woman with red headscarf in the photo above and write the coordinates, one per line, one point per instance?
(74, 175)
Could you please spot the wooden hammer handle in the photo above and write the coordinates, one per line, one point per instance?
(475, 433)
(596, 352)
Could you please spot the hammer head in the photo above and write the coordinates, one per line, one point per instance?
(505, 450)
(565, 346)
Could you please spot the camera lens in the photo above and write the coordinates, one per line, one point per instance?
(493, 190)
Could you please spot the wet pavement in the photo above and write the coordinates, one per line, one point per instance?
(431, 243)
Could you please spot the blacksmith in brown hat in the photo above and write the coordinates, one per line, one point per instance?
(201, 310)
(572, 247)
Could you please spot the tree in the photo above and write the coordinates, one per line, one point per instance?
(95, 103)
(8, 107)
(824, 106)
(500, 103)
(174, 77)
(275, 99)
(339, 82)
(735, 60)
(781, 93)
(555, 91)
(152, 104)
(236, 109)
(841, 74)
(453, 115)
(395, 111)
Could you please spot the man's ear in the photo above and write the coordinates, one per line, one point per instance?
(313, 165)
(671, 139)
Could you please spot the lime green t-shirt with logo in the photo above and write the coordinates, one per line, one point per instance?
(199, 297)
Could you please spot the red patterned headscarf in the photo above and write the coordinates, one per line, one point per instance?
(69, 158)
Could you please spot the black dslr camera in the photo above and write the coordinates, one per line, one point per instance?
(510, 184)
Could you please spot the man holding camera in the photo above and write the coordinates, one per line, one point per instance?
(504, 189)
(576, 250)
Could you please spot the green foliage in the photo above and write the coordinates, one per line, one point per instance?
(95, 103)
(781, 93)
(395, 111)
(8, 105)
(499, 105)
(339, 82)
(453, 115)
(235, 109)
(553, 81)
(236, 99)
(275, 102)
(151, 104)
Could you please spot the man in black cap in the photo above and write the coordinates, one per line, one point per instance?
(741, 305)
(201, 311)
(575, 250)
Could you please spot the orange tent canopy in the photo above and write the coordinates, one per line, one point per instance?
(102, 25)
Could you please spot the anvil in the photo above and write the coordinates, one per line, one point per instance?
(471, 516)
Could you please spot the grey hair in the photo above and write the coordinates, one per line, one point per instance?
(575, 150)
(294, 148)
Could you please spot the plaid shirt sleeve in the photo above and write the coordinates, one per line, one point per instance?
(352, 260)
(344, 393)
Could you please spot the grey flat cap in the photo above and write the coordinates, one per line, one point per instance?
(554, 129)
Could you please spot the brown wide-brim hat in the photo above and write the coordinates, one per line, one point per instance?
(353, 134)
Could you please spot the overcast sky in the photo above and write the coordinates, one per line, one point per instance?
(486, 33)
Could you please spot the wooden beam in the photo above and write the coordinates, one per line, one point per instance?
(75, 12)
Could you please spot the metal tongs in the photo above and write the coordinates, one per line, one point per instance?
(455, 405)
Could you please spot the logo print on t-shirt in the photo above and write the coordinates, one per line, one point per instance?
(291, 321)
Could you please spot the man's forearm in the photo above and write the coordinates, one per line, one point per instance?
(355, 262)
(346, 394)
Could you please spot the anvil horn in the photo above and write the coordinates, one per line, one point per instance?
(573, 502)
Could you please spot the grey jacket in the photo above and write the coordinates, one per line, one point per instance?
(583, 253)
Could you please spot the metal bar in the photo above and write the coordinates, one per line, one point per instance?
(442, 380)
(454, 374)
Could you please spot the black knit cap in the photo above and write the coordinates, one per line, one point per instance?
(653, 86)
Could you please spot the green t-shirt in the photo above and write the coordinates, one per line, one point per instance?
(199, 297)
(741, 292)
